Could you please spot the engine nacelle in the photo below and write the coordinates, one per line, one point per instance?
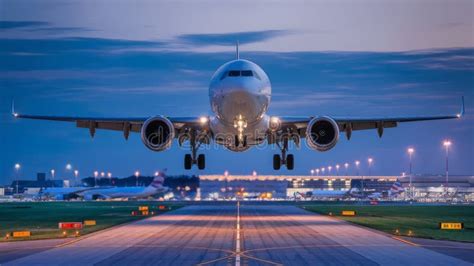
(322, 133)
(157, 133)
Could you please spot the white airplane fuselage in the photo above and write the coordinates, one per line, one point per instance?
(239, 93)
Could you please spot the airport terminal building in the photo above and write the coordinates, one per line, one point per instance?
(428, 188)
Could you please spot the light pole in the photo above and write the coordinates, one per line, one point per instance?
(317, 171)
(312, 172)
(370, 160)
(410, 155)
(137, 174)
(346, 165)
(447, 144)
(329, 170)
(357, 166)
(322, 171)
(68, 169)
(96, 174)
(76, 174)
(254, 173)
(109, 175)
(337, 169)
(17, 170)
(52, 177)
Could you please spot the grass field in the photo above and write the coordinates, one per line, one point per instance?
(42, 218)
(422, 221)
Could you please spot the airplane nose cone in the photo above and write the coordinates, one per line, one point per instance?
(242, 102)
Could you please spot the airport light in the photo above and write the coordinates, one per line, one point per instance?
(137, 174)
(410, 155)
(346, 165)
(17, 170)
(96, 174)
(52, 175)
(102, 174)
(68, 167)
(329, 170)
(157, 173)
(370, 160)
(312, 172)
(322, 170)
(447, 144)
(226, 173)
(337, 169)
(357, 166)
(254, 173)
(109, 175)
(317, 171)
(76, 174)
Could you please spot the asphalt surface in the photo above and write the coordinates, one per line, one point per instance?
(245, 235)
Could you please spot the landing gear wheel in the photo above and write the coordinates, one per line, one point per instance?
(290, 159)
(201, 162)
(188, 161)
(276, 162)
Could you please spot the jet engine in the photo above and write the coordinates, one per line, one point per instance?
(322, 133)
(157, 133)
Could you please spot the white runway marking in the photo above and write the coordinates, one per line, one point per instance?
(237, 238)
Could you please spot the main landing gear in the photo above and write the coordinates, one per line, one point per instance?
(193, 158)
(284, 159)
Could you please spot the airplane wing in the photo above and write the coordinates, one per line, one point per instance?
(124, 124)
(349, 124)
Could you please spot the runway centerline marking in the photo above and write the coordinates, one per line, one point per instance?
(237, 237)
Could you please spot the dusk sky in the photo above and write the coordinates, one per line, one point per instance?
(126, 59)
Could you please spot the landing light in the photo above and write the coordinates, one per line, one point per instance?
(275, 119)
(203, 120)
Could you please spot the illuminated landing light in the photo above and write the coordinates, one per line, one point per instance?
(203, 120)
(16, 114)
(274, 123)
(458, 115)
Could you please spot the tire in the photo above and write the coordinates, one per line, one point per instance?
(290, 162)
(201, 161)
(276, 162)
(187, 161)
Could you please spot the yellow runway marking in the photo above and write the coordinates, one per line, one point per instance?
(405, 241)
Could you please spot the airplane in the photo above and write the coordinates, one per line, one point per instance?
(155, 187)
(394, 190)
(61, 193)
(328, 194)
(239, 94)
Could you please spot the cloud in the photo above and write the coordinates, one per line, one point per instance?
(7, 25)
(229, 39)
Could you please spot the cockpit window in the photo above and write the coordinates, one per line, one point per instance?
(247, 73)
(234, 73)
(238, 73)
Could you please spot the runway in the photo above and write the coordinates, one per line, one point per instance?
(255, 234)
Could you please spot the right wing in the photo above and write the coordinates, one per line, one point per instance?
(124, 124)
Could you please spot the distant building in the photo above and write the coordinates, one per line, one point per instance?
(31, 185)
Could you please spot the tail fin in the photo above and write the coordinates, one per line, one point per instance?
(397, 188)
(159, 179)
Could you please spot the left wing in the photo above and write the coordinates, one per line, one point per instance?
(124, 124)
(348, 124)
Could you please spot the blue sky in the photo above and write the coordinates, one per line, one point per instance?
(84, 58)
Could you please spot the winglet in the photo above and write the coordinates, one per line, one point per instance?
(237, 50)
(14, 114)
(461, 114)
